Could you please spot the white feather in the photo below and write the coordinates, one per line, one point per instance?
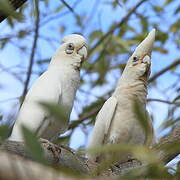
(56, 85)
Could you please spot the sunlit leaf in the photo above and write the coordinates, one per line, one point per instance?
(171, 147)
(44, 61)
(168, 2)
(170, 123)
(94, 35)
(161, 50)
(158, 8)
(144, 23)
(116, 152)
(4, 132)
(7, 9)
(33, 146)
(22, 33)
(58, 8)
(142, 118)
(175, 27)
(55, 110)
(3, 42)
(161, 36)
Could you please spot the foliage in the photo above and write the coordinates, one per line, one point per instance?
(106, 60)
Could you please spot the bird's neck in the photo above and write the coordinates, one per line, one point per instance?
(63, 62)
(133, 88)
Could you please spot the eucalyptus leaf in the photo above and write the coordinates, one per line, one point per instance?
(55, 110)
(4, 132)
(33, 146)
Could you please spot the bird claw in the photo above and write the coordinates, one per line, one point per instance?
(55, 149)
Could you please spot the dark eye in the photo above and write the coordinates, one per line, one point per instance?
(135, 58)
(70, 48)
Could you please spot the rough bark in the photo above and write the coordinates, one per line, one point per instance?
(67, 158)
(15, 152)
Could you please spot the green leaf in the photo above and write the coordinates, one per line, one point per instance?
(4, 132)
(62, 140)
(158, 8)
(58, 112)
(161, 50)
(58, 9)
(33, 146)
(177, 10)
(115, 152)
(169, 123)
(3, 42)
(123, 30)
(178, 169)
(22, 33)
(171, 147)
(175, 27)
(7, 9)
(143, 118)
(144, 23)
(43, 61)
(168, 2)
(95, 35)
(161, 36)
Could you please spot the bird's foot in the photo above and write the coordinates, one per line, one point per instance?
(55, 149)
(67, 148)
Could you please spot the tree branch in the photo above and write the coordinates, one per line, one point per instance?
(18, 168)
(70, 160)
(65, 158)
(173, 65)
(164, 101)
(111, 31)
(31, 60)
(87, 116)
(69, 7)
(165, 141)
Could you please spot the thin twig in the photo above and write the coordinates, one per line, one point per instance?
(111, 31)
(164, 101)
(173, 65)
(69, 7)
(80, 120)
(31, 60)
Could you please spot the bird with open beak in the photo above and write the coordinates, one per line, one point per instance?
(57, 85)
(117, 122)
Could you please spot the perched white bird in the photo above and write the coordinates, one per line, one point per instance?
(117, 122)
(56, 85)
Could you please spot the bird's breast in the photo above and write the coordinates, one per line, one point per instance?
(68, 92)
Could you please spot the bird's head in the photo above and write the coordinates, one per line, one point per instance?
(138, 65)
(72, 51)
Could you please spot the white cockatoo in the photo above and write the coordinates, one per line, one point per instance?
(57, 85)
(117, 121)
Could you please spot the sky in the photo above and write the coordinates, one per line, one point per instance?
(10, 56)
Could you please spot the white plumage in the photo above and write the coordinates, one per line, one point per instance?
(117, 122)
(56, 85)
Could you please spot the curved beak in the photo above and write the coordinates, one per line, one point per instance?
(145, 47)
(82, 52)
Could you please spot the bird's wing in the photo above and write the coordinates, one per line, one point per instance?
(103, 122)
(109, 112)
(53, 95)
(102, 125)
(31, 114)
(150, 140)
